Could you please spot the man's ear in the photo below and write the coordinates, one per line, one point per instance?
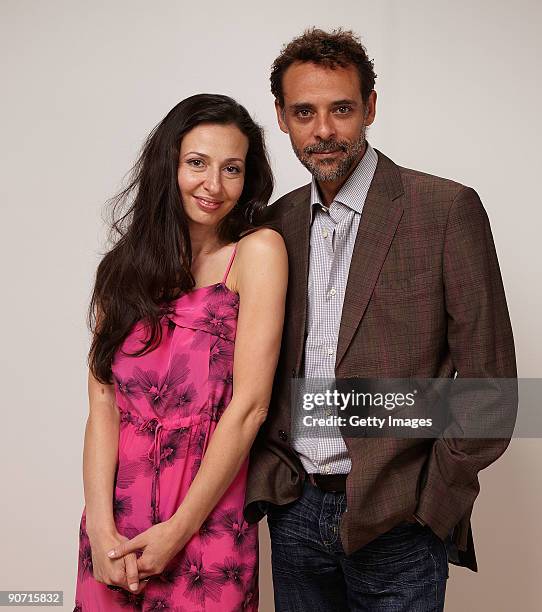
(370, 108)
(280, 117)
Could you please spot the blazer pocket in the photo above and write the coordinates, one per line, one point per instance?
(400, 283)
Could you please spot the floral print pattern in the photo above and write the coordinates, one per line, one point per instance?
(170, 401)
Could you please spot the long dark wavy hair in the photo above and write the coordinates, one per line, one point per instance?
(149, 263)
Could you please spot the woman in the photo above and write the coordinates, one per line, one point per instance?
(187, 314)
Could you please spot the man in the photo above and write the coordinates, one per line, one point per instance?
(393, 274)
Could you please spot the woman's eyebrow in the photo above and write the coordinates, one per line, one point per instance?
(195, 153)
(230, 159)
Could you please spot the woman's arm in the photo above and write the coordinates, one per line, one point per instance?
(260, 277)
(100, 456)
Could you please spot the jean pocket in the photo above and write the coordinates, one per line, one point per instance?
(404, 526)
(439, 553)
(274, 511)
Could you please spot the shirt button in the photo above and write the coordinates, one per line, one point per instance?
(282, 435)
(330, 351)
(332, 291)
(327, 469)
(325, 233)
(328, 412)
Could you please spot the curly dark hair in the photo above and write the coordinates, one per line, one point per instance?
(331, 49)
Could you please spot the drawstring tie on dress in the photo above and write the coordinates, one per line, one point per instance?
(155, 455)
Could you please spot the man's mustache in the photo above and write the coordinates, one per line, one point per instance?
(326, 146)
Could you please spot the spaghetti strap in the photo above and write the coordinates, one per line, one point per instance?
(230, 263)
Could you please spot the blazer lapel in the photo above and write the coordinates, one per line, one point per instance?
(380, 217)
(296, 233)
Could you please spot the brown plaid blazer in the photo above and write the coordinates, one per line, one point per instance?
(424, 299)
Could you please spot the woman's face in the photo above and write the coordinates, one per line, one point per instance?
(211, 171)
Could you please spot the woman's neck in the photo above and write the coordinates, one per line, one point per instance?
(204, 241)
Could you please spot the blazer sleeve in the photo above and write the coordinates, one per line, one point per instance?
(481, 346)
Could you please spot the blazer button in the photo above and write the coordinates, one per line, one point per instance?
(282, 435)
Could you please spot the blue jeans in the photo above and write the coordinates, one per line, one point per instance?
(403, 570)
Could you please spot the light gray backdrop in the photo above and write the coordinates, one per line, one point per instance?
(84, 82)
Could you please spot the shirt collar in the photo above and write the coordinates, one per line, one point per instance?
(354, 191)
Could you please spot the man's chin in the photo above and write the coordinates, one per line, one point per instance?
(325, 166)
(327, 161)
(328, 172)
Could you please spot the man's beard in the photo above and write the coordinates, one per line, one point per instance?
(335, 170)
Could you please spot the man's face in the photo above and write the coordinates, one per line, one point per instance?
(325, 118)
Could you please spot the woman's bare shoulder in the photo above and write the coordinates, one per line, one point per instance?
(261, 239)
(261, 251)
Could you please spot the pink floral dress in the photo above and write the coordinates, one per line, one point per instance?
(170, 401)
